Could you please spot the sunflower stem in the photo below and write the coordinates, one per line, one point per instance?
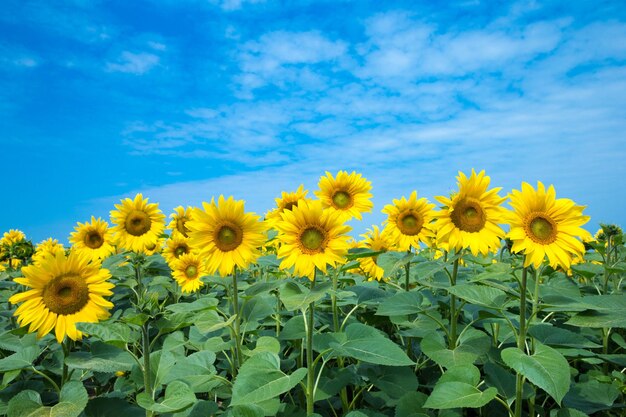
(407, 269)
(333, 298)
(147, 372)
(237, 324)
(521, 342)
(310, 382)
(66, 351)
(453, 312)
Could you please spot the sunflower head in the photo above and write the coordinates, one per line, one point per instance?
(63, 290)
(188, 270)
(226, 235)
(138, 224)
(12, 236)
(408, 222)
(348, 194)
(470, 218)
(286, 201)
(542, 225)
(176, 247)
(311, 237)
(178, 224)
(48, 247)
(376, 241)
(94, 238)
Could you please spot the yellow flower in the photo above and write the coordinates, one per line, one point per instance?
(285, 202)
(311, 237)
(176, 247)
(542, 225)
(48, 247)
(93, 238)
(63, 291)
(180, 217)
(187, 271)
(348, 194)
(408, 222)
(225, 235)
(138, 224)
(375, 241)
(470, 218)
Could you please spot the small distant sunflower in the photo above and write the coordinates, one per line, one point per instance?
(176, 247)
(311, 237)
(63, 291)
(543, 225)
(377, 242)
(12, 236)
(408, 221)
(187, 271)
(225, 235)
(48, 247)
(180, 217)
(470, 218)
(285, 202)
(93, 238)
(348, 194)
(138, 224)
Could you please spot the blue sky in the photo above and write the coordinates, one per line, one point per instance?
(185, 100)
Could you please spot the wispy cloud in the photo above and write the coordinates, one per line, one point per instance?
(133, 63)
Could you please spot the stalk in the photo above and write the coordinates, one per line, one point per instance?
(521, 342)
(147, 372)
(453, 312)
(310, 381)
(343, 394)
(237, 323)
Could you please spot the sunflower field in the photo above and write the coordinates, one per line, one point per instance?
(482, 304)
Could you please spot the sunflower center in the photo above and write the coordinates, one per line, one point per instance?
(289, 205)
(541, 228)
(228, 237)
(66, 294)
(180, 226)
(191, 271)
(312, 240)
(468, 216)
(342, 200)
(181, 250)
(93, 240)
(137, 223)
(410, 224)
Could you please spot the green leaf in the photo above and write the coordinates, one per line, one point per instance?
(295, 296)
(117, 334)
(367, 344)
(598, 319)
(567, 412)
(546, 368)
(472, 344)
(265, 344)
(102, 358)
(459, 395)
(25, 404)
(411, 405)
(480, 295)
(391, 261)
(72, 401)
(552, 335)
(178, 396)
(248, 410)
(591, 396)
(111, 407)
(402, 303)
(293, 329)
(260, 379)
(196, 370)
(203, 408)
(210, 321)
(395, 381)
(258, 308)
(21, 359)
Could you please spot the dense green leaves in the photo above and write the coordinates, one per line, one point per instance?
(72, 400)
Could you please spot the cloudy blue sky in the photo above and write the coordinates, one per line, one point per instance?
(185, 100)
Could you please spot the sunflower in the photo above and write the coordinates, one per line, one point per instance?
(311, 237)
(470, 218)
(137, 223)
(226, 235)
(285, 202)
(46, 248)
(348, 194)
(63, 291)
(543, 225)
(187, 271)
(93, 238)
(408, 222)
(175, 248)
(180, 217)
(12, 236)
(377, 242)
(9, 239)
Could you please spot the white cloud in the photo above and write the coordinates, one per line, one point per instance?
(133, 63)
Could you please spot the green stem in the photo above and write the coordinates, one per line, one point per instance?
(310, 382)
(66, 351)
(237, 323)
(453, 312)
(147, 372)
(343, 394)
(521, 342)
(407, 268)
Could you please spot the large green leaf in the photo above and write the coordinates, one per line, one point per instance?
(197, 370)
(101, 358)
(480, 295)
(472, 344)
(367, 344)
(546, 368)
(72, 401)
(111, 407)
(21, 359)
(592, 396)
(402, 303)
(552, 335)
(295, 296)
(459, 395)
(260, 379)
(391, 262)
(395, 381)
(178, 396)
(118, 334)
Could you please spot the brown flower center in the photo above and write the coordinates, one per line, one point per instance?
(541, 228)
(409, 223)
(468, 215)
(191, 271)
(93, 239)
(228, 236)
(137, 223)
(66, 294)
(342, 200)
(289, 205)
(181, 250)
(313, 240)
